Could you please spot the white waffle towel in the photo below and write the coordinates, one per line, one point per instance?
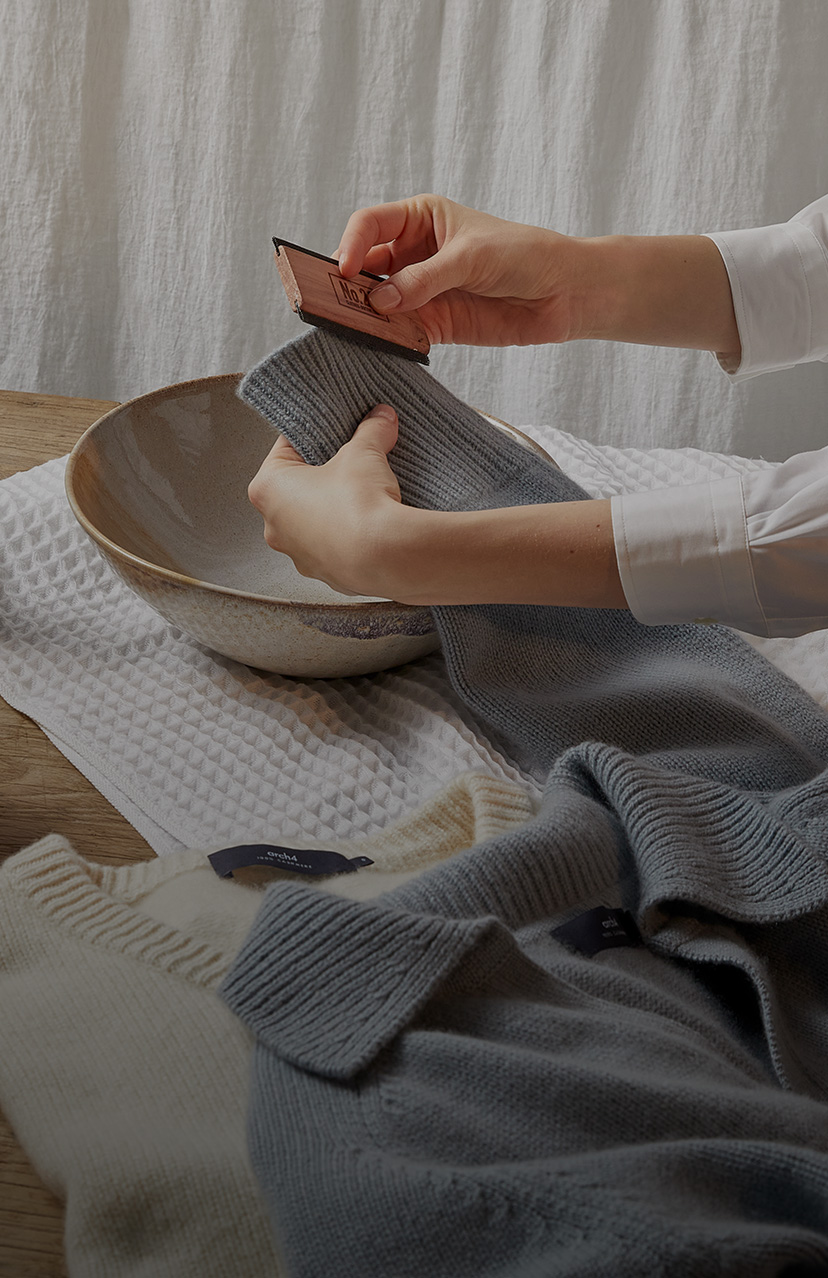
(197, 750)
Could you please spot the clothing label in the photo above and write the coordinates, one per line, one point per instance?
(600, 929)
(274, 857)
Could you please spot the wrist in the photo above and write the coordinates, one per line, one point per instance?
(660, 290)
(402, 553)
(595, 286)
(560, 554)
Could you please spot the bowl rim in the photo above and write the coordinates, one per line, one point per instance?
(183, 579)
(360, 603)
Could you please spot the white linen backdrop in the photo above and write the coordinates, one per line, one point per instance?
(150, 149)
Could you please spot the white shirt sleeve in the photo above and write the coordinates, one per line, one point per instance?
(779, 281)
(749, 552)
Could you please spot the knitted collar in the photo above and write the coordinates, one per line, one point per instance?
(77, 896)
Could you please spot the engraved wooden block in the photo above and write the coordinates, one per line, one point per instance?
(321, 296)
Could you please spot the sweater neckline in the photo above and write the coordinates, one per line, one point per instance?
(72, 893)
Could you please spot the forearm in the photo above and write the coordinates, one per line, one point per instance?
(478, 280)
(561, 554)
(658, 290)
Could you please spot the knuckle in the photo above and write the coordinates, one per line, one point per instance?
(420, 276)
(255, 493)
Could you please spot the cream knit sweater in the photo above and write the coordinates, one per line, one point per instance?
(123, 1074)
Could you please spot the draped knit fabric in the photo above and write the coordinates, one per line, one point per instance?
(123, 1073)
(441, 1084)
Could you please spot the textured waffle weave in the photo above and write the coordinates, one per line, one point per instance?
(195, 749)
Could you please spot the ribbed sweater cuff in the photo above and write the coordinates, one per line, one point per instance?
(316, 390)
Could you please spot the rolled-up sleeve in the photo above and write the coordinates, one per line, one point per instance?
(749, 552)
(779, 281)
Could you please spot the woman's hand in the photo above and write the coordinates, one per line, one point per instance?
(344, 523)
(474, 278)
(336, 522)
(481, 281)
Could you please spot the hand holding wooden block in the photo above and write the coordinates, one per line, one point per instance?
(321, 296)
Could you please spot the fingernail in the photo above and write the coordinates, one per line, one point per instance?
(384, 411)
(385, 298)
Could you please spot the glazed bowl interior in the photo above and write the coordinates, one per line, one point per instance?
(160, 485)
(165, 479)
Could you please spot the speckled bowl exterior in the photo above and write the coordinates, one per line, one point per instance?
(160, 485)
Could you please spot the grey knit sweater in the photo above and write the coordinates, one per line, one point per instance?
(447, 1083)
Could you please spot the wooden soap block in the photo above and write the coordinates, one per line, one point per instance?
(321, 296)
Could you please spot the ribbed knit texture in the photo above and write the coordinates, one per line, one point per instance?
(467, 1096)
(124, 1075)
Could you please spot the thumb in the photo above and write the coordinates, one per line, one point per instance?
(417, 284)
(283, 451)
(378, 431)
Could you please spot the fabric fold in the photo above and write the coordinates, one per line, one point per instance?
(122, 1073)
(686, 784)
(327, 983)
(543, 679)
(316, 390)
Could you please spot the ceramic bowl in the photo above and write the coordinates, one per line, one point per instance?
(160, 485)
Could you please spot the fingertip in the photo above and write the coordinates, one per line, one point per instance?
(384, 412)
(254, 491)
(343, 258)
(385, 297)
(421, 281)
(348, 257)
(380, 426)
(283, 450)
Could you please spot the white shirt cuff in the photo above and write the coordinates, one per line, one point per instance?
(683, 555)
(786, 515)
(779, 280)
